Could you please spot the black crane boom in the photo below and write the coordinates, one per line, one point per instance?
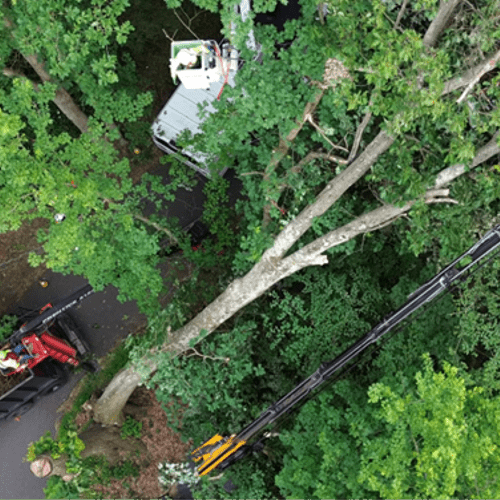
(220, 452)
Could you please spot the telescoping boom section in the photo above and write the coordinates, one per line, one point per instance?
(220, 452)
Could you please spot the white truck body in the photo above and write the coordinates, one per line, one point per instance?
(182, 112)
(198, 85)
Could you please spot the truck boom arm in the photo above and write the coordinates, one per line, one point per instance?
(220, 452)
(50, 314)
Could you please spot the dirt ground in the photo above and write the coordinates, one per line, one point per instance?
(163, 445)
(16, 275)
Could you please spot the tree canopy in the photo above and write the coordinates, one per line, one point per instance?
(367, 118)
(432, 437)
(67, 93)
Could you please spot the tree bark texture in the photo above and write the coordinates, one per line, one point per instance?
(439, 22)
(62, 98)
(108, 409)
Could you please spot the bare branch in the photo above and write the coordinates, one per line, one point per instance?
(157, 227)
(253, 172)
(284, 146)
(215, 478)
(317, 155)
(432, 193)
(400, 13)
(171, 38)
(318, 128)
(490, 149)
(359, 135)
(465, 78)
(488, 66)
(185, 25)
(330, 194)
(441, 200)
(204, 357)
(364, 70)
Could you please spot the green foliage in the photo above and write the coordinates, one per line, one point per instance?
(187, 379)
(217, 214)
(44, 445)
(253, 479)
(321, 457)
(7, 326)
(131, 427)
(68, 443)
(433, 438)
(125, 469)
(57, 488)
(477, 330)
(444, 439)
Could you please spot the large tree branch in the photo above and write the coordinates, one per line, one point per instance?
(366, 223)
(386, 214)
(61, 99)
(330, 194)
(484, 153)
(465, 78)
(400, 14)
(439, 23)
(242, 291)
(488, 66)
(272, 267)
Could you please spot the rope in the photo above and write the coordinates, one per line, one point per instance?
(226, 77)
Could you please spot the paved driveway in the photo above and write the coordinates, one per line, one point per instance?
(100, 318)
